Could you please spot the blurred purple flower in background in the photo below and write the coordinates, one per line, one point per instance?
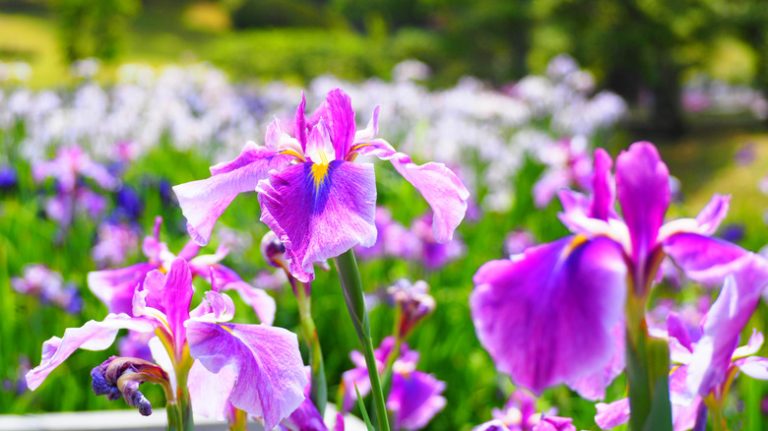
(8, 177)
(518, 241)
(415, 397)
(115, 242)
(520, 414)
(568, 165)
(38, 280)
(312, 195)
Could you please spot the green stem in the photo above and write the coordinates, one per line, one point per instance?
(352, 286)
(319, 393)
(647, 371)
(184, 404)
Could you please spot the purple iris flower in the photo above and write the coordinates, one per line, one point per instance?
(412, 301)
(415, 397)
(517, 241)
(550, 315)
(116, 287)
(706, 357)
(255, 368)
(520, 414)
(313, 195)
(71, 164)
(116, 241)
(48, 285)
(435, 254)
(568, 165)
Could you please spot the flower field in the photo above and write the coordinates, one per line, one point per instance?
(463, 258)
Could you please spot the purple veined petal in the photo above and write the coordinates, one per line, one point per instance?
(755, 367)
(550, 183)
(115, 287)
(203, 201)
(319, 221)
(547, 316)
(678, 330)
(592, 386)
(166, 298)
(209, 391)
(270, 376)
(215, 307)
(612, 414)
(305, 417)
(603, 187)
(190, 250)
(440, 187)
(723, 324)
(704, 259)
(337, 113)
(685, 404)
(554, 423)
(415, 398)
(642, 185)
(94, 335)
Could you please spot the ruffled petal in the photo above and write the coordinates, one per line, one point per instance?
(263, 305)
(548, 316)
(203, 201)
(270, 376)
(642, 182)
(755, 367)
(94, 335)
(441, 188)
(592, 385)
(115, 287)
(704, 259)
(318, 221)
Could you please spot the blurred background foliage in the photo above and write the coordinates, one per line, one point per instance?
(638, 48)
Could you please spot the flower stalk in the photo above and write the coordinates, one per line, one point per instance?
(352, 287)
(319, 392)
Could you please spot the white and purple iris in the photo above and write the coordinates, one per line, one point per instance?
(313, 194)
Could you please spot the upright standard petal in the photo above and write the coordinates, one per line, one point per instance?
(441, 188)
(338, 114)
(115, 287)
(603, 187)
(319, 220)
(167, 297)
(270, 375)
(203, 201)
(547, 316)
(642, 182)
(94, 335)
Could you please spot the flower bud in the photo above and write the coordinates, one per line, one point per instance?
(414, 302)
(122, 376)
(273, 250)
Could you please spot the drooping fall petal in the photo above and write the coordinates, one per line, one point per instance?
(547, 316)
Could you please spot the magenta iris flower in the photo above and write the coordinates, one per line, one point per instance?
(116, 287)
(313, 194)
(550, 315)
(415, 397)
(257, 368)
(706, 358)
